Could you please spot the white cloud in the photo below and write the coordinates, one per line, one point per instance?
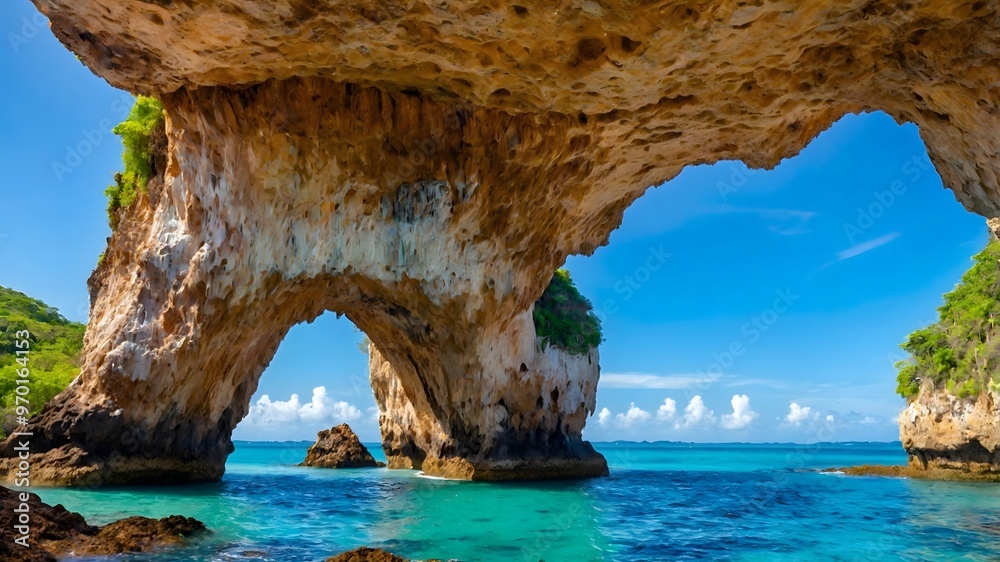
(797, 414)
(829, 418)
(648, 380)
(696, 413)
(742, 415)
(633, 416)
(604, 417)
(321, 408)
(858, 249)
(667, 410)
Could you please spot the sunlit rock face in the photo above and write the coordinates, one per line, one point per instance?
(525, 414)
(944, 434)
(423, 168)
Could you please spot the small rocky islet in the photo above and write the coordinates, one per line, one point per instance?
(339, 447)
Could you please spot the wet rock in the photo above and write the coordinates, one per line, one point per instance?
(365, 554)
(53, 531)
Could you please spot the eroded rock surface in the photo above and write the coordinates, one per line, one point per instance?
(365, 554)
(339, 447)
(943, 433)
(423, 168)
(529, 414)
(55, 532)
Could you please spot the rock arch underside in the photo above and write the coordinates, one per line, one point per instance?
(423, 167)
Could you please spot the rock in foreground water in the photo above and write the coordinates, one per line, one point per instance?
(365, 554)
(52, 531)
(339, 447)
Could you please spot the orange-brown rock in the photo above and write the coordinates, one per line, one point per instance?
(365, 554)
(423, 167)
(53, 531)
(339, 447)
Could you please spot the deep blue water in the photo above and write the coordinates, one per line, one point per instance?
(663, 501)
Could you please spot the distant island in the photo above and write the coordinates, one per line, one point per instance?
(55, 352)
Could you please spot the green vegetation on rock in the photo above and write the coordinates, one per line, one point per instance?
(53, 357)
(143, 135)
(565, 318)
(961, 352)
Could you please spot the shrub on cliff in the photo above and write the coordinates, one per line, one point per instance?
(565, 318)
(962, 350)
(142, 134)
(53, 357)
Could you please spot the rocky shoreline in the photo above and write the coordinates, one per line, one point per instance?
(53, 531)
(904, 471)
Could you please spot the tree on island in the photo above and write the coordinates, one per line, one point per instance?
(961, 352)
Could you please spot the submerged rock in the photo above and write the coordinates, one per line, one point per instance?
(365, 554)
(339, 447)
(901, 471)
(52, 531)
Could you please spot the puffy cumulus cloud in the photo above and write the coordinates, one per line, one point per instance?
(321, 408)
(742, 415)
(667, 410)
(830, 418)
(634, 415)
(604, 417)
(696, 413)
(797, 414)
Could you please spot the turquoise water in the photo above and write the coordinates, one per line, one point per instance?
(663, 501)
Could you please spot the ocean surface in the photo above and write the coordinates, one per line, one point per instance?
(663, 501)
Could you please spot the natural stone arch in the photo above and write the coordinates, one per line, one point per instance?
(191, 303)
(309, 150)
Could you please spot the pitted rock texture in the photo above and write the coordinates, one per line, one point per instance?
(685, 82)
(423, 168)
(339, 447)
(288, 199)
(945, 434)
(531, 408)
(55, 532)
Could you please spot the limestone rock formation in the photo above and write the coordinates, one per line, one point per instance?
(422, 168)
(530, 413)
(54, 531)
(943, 433)
(339, 447)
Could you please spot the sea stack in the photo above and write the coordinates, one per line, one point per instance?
(339, 447)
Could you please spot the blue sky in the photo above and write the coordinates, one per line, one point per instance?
(812, 273)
